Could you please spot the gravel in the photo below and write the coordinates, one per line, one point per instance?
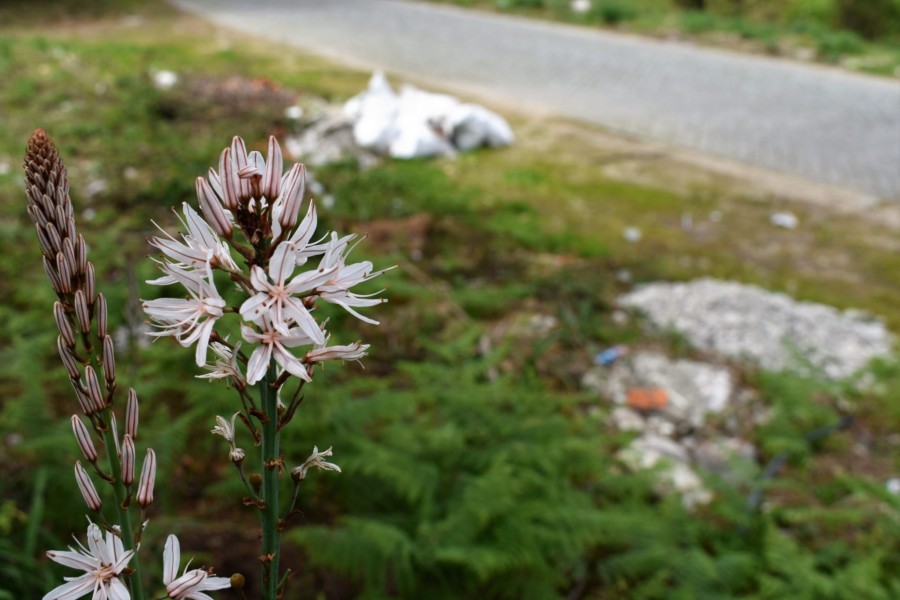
(769, 329)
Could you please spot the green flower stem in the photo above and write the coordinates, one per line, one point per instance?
(271, 467)
(122, 514)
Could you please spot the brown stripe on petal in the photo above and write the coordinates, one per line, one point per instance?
(127, 460)
(93, 389)
(274, 167)
(52, 275)
(109, 360)
(148, 479)
(131, 415)
(68, 359)
(101, 311)
(68, 251)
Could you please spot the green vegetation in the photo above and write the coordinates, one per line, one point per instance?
(863, 35)
(473, 466)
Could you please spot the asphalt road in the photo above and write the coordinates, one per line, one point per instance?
(818, 123)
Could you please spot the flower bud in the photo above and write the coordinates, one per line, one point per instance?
(237, 455)
(101, 313)
(239, 156)
(70, 229)
(83, 437)
(89, 284)
(82, 311)
(131, 415)
(238, 581)
(44, 239)
(62, 323)
(86, 486)
(292, 196)
(68, 358)
(148, 479)
(37, 215)
(68, 251)
(65, 272)
(81, 254)
(53, 276)
(274, 167)
(93, 389)
(54, 237)
(109, 360)
(86, 406)
(127, 460)
(212, 209)
(231, 184)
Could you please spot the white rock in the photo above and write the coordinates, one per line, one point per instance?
(770, 329)
(164, 80)
(632, 234)
(626, 419)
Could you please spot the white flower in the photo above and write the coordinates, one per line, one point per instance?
(226, 365)
(323, 353)
(188, 320)
(102, 561)
(274, 342)
(275, 303)
(191, 584)
(224, 428)
(337, 288)
(316, 459)
(201, 245)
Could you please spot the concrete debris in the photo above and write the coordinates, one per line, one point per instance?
(414, 123)
(652, 451)
(770, 329)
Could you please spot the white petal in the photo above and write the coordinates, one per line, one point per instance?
(171, 558)
(74, 589)
(117, 590)
(254, 307)
(282, 264)
(73, 559)
(259, 363)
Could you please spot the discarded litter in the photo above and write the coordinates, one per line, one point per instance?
(647, 398)
(164, 80)
(414, 123)
(785, 220)
(610, 355)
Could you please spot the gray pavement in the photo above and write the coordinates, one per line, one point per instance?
(818, 123)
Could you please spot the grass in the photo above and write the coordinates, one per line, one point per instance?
(533, 230)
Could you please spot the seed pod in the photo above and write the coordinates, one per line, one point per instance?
(127, 460)
(83, 437)
(101, 314)
(109, 361)
(93, 389)
(86, 486)
(65, 273)
(131, 415)
(82, 311)
(148, 478)
(67, 358)
(62, 323)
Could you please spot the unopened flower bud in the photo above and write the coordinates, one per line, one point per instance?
(65, 272)
(53, 276)
(55, 239)
(231, 183)
(101, 316)
(68, 358)
(82, 311)
(127, 460)
(131, 415)
(62, 323)
(83, 400)
(81, 254)
(212, 209)
(274, 168)
(239, 156)
(68, 251)
(89, 285)
(44, 240)
(93, 389)
(70, 229)
(83, 437)
(292, 196)
(109, 360)
(148, 479)
(86, 486)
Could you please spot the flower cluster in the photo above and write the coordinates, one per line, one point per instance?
(249, 195)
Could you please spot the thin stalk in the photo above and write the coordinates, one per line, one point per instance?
(271, 465)
(123, 517)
